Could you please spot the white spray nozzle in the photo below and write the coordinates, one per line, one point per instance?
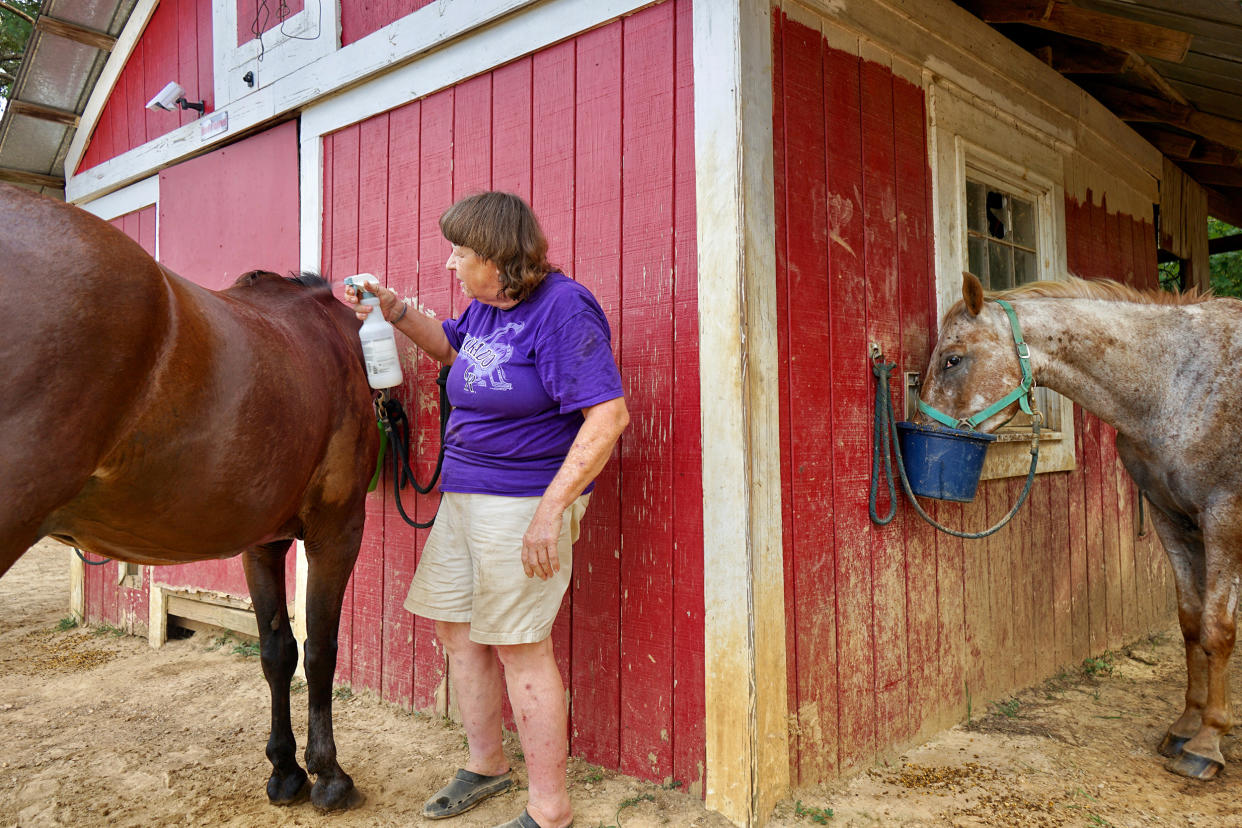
(359, 282)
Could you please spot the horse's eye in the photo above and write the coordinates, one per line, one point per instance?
(951, 360)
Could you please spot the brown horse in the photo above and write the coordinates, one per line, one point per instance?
(1161, 369)
(153, 421)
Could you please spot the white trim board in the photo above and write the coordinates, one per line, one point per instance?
(746, 731)
(140, 194)
(406, 60)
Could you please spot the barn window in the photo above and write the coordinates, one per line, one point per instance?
(999, 204)
(1003, 250)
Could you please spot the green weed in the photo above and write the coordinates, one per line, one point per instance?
(1099, 666)
(66, 623)
(1009, 708)
(819, 816)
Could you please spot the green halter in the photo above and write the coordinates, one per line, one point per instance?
(1021, 393)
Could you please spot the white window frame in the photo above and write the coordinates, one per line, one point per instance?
(969, 135)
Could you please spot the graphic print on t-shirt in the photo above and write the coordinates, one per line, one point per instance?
(487, 356)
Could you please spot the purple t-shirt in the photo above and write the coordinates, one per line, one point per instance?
(518, 385)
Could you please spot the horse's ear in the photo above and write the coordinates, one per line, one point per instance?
(972, 293)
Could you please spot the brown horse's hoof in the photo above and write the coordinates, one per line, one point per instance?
(1171, 746)
(288, 790)
(1193, 766)
(338, 796)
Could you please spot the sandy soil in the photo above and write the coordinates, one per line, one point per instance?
(99, 730)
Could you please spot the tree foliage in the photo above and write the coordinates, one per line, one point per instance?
(15, 30)
(1226, 268)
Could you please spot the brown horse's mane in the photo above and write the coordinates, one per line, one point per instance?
(1106, 290)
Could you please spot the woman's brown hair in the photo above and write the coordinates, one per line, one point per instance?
(501, 228)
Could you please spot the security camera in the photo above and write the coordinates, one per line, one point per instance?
(168, 97)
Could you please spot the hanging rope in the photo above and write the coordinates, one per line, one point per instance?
(90, 563)
(887, 443)
(395, 432)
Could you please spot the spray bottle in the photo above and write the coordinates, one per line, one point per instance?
(379, 345)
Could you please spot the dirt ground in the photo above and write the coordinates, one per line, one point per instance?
(99, 730)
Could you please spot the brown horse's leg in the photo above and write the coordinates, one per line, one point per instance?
(1201, 757)
(1185, 551)
(265, 575)
(329, 564)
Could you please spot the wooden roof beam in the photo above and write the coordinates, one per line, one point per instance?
(102, 41)
(1225, 244)
(1099, 27)
(1221, 130)
(1173, 144)
(44, 113)
(1081, 59)
(1135, 106)
(1211, 175)
(30, 179)
(1225, 205)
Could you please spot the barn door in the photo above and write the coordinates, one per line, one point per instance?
(221, 215)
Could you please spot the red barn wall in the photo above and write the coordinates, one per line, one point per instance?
(257, 16)
(893, 630)
(597, 132)
(176, 45)
(361, 19)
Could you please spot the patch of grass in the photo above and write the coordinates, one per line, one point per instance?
(819, 816)
(673, 784)
(108, 629)
(343, 693)
(66, 623)
(297, 686)
(630, 803)
(592, 774)
(1009, 708)
(1101, 665)
(245, 647)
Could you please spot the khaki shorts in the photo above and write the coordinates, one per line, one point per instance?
(471, 569)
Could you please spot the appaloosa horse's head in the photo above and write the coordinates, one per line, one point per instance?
(975, 362)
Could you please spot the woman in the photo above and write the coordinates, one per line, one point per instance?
(537, 408)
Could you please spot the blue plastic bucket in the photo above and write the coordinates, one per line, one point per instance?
(941, 462)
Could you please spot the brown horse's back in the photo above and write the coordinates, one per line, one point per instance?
(158, 421)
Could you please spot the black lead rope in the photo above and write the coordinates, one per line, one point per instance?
(888, 443)
(90, 563)
(397, 424)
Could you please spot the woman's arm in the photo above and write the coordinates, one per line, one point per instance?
(601, 426)
(424, 330)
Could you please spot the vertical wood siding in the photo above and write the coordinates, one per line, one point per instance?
(105, 600)
(893, 629)
(598, 133)
(256, 16)
(361, 19)
(176, 45)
